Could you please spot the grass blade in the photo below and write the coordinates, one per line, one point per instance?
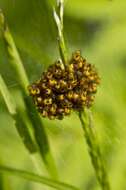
(14, 57)
(94, 150)
(36, 178)
(17, 116)
(21, 125)
(42, 139)
(39, 131)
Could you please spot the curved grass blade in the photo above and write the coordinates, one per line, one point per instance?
(18, 118)
(39, 131)
(21, 125)
(36, 178)
(41, 139)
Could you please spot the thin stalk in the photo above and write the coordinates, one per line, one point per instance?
(58, 16)
(14, 57)
(36, 178)
(21, 125)
(37, 125)
(17, 116)
(91, 139)
(94, 149)
(42, 139)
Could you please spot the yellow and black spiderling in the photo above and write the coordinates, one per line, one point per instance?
(62, 89)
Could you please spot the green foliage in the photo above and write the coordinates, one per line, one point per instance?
(18, 116)
(36, 178)
(98, 28)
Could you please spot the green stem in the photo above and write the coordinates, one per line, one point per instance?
(14, 57)
(58, 16)
(17, 116)
(94, 149)
(41, 139)
(36, 122)
(36, 178)
(93, 146)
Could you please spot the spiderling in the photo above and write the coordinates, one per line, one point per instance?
(62, 89)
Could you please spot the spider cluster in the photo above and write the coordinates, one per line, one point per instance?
(62, 89)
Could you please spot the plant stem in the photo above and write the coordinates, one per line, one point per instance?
(20, 123)
(17, 116)
(40, 135)
(14, 57)
(58, 16)
(94, 149)
(36, 178)
(91, 139)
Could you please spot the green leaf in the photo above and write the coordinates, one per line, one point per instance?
(36, 178)
(7, 97)
(39, 131)
(41, 138)
(15, 112)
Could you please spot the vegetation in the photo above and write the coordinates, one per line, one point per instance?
(53, 148)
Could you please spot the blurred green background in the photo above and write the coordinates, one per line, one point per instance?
(98, 29)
